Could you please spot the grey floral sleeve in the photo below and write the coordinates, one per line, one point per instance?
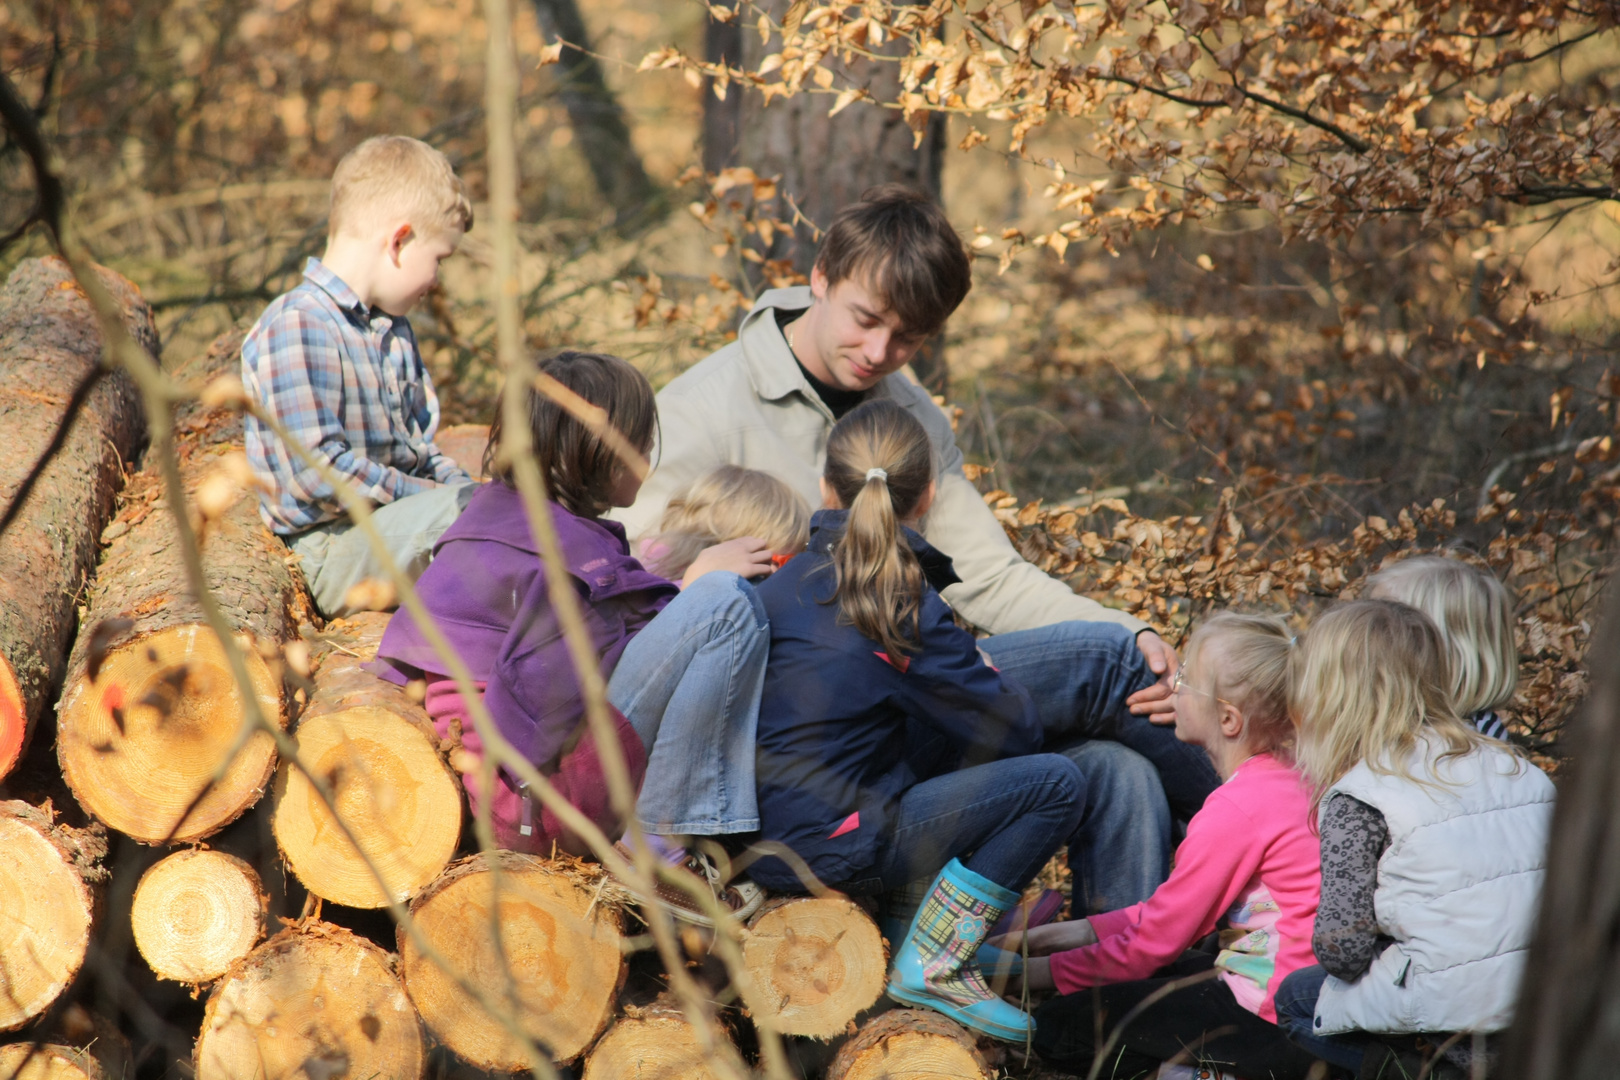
(1354, 836)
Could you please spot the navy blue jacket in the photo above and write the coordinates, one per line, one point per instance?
(833, 753)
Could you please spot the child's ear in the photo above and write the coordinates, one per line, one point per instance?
(397, 241)
(1231, 720)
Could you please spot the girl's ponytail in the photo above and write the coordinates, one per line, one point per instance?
(879, 465)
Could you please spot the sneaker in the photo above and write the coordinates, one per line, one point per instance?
(740, 898)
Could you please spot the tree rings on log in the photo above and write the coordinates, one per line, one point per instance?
(909, 1044)
(49, 875)
(81, 1046)
(394, 791)
(815, 963)
(313, 1001)
(656, 1042)
(196, 913)
(139, 743)
(558, 962)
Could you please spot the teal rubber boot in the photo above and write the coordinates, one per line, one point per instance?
(934, 968)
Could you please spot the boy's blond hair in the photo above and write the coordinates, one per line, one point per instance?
(1252, 674)
(395, 176)
(1370, 677)
(728, 503)
(1474, 612)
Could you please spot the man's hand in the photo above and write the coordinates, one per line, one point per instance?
(1048, 939)
(748, 556)
(1154, 701)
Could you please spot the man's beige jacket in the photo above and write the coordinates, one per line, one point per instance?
(749, 404)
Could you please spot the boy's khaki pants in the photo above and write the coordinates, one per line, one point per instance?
(336, 556)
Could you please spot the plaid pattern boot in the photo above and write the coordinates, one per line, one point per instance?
(934, 969)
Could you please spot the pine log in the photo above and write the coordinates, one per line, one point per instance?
(558, 959)
(49, 341)
(815, 963)
(394, 790)
(149, 709)
(196, 913)
(50, 879)
(313, 1001)
(653, 1042)
(82, 1046)
(464, 444)
(909, 1044)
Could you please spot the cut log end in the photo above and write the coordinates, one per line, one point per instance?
(559, 959)
(48, 908)
(909, 1044)
(393, 790)
(139, 743)
(50, 1061)
(814, 964)
(653, 1043)
(311, 1001)
(196, 913)
(13, 721)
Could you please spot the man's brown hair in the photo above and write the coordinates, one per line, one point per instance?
(397, 176)
(903, 246)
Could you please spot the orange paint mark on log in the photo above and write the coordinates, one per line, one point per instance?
(112, 698)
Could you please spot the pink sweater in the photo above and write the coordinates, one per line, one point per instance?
(1249, 855)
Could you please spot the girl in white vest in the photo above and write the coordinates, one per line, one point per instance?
(1433, 849)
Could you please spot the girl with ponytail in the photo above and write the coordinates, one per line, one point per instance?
(865, 661)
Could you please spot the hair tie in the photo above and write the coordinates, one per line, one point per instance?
(879, 474)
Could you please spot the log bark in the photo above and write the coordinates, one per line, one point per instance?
(149, 709)
(313, 1001)
(815, 964)
(50, 887)
(909, 1044)
(196, 913)
(83, 1046)
(394, 789)
(653, 1042)
(50, 342)
(558, 960)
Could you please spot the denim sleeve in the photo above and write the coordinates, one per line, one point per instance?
(1354, 837)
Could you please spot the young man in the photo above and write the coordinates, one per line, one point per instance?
(890, 272)
(335, 362)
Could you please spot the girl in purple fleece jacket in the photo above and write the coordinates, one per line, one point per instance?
(684, 662)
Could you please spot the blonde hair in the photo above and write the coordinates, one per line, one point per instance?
(879, 465)
(1253, 674)
(1370, 678)
(1474, 612)
(395, 175)
(728, 503)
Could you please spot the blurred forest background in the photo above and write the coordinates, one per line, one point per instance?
(1179, 397)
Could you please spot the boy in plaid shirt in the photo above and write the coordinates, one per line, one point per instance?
(335, 361)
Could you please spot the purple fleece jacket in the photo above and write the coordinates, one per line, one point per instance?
(486, 589)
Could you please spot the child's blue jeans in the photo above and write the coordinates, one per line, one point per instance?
(690, 683)
(1296, 1014)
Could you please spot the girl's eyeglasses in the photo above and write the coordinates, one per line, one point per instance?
(1179, 683)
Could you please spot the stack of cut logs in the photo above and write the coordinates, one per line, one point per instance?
(119, 714)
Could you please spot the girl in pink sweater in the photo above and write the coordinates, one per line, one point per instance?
(1250, 867)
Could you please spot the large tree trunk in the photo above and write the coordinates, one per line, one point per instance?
(815, 964)
(597, 118)
(313, 1001)
(826, 162)
(394, 789)
(49, 341)
(196, 913)
(909, 1044)
(558, 960)
(149, 708)
(722, 117)
(1568, 1021)
(50, 890)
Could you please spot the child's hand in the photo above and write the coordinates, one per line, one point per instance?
(748, 556)
(1048, 939)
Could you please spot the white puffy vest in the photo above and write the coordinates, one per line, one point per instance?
(1457, 890)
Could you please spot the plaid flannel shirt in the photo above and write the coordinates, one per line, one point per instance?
(348, 383)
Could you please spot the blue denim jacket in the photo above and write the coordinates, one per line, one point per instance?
(833, 752)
